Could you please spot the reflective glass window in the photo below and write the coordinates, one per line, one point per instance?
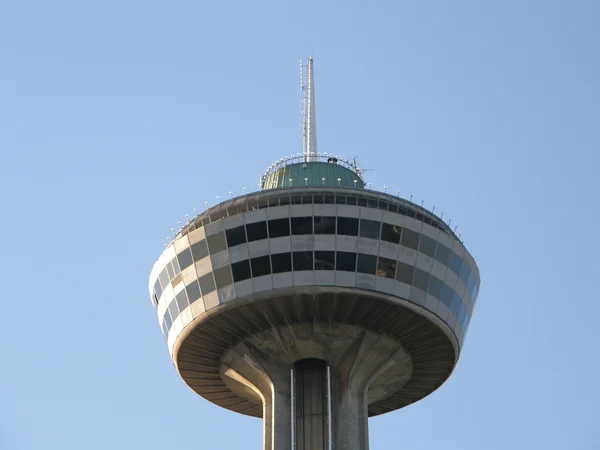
(462, 314)
(324, 260)
(173, 310)
(296, 199)
(351, 200)
(284, 200)
(435, 287)
(193, 291)
(235, 236)
(281, 262)
(470, 283)
(303, 260)
(464, 273)
(307, 199)
(157, 289)
(318, 199)
(427, 246)
(455, 263)
(324, 225)
(170, 270)
(393, 208)
(390, 233)
(456, 302)
(372, 203)
(176, 268)
(223, 277)
(279, 228)
(328, 198)
(361, 201)
(442, 254)
(340, 199)
(367, 264)
(447, 295)
(383, 205)
(207, 283)
(260, 266)
(241, 270)
(199, 250)
(386, 267)
(182, 301)
(421, 279)
(347, 226)
(302, 225)
(216, 242)
(185, 259)
(404, 272)
(369, 228)
(164, 278)
(345, 261)
(410, 239)
(167, 320)
(256, 231)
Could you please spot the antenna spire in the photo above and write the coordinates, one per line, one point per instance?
(309, 123)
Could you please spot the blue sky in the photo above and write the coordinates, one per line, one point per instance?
(119, 117)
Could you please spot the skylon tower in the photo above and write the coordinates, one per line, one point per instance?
(314, 303)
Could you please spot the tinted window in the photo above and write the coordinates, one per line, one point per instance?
(435, 287)
(345, 261)
(303, 260)
(390, 233)
(193, 291)
(464, 273)
(442, 254)
(157, 289)
(281, 262)
(164, 278)
(351, 200)
(369, 228)
(241, 270)
(167, 320)
(223, 277)
(173, 310)
(361, 201)
(171, 272)
(324, 225)
(340, 199)
(256, 231)
(421, 279)
(181, 300)
(216, 242)
(427, 246)
(367, 264)
(185, 259)
(235, 236)
(199, 250)
(260, 266)
(347, 226)
(446, 295)
(386, 267)
(324, 260)
(207, 283)
(279, 228)
(176, 267)
(410, 239)
(302, 225)
(456, 302)
(328, 198)
(455, 263)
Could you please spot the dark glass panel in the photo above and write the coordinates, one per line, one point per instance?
(386, 267)
(235, 236)
(442, 254)
(435, 287)
(279, 228)
(324, 225)
(216, 242)
(324, 260)
(390, 233)
(241, 270)
(345, 261)
(281, 262)
(303, 260)
(176, 268)
(284, 200)
(421, 279)
(193, 291)
(167, 320)
(173, 310)
(370, 228)
(393, 208)
(223, 277)
(464, 273)
(328, 198)
(427, 246)
(261, 265)
(340, 199)
(256, 231)
(347, 226)
(410, 239)
(182, 301)
(199, 250)
(318, 198)
(372, 203)
(456, 302)
(351, 200)
(302, 225)
(447, 295)
(164, 278)
(307, 199)
(367, 264)
(207, 283)
(361, 201)
(170, 270)
(157, 289)
(185, 259)
(455, 263)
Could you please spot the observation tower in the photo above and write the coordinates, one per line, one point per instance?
(314, 303)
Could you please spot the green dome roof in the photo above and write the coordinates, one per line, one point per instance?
(311, 173)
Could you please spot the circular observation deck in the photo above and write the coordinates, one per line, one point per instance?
(311, 272)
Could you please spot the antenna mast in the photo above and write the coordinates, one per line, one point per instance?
(309, 122)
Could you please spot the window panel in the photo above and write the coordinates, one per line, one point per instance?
(370, 228)
(302, 225)
(345, 261)
(435, 287)
(386, 267)
(216, 242)
(456, 302)
(324, 225)
(427, 246)
(351, 200)
(404, 272)
(173, 310)
(464, 273)
(170, 270)
(199, 250)
(256, 231)
(324, 260)
(390, 233)
(260, 266)
(367, 264)
(207, 283)
(167, 320)
(347, 226)
(223, 277)
(181, 300)
(361, 201)
(410, 239)
(185, 259)
(281, 262)
(241, 270)
(193, 291)
(235, 236)
(340, 199)
(303, 260)
(164, 278)
(157, 289)
(447, 295)
(442, 254)
(279, 228)
(455, 263)
(421, 279)
(176, 268)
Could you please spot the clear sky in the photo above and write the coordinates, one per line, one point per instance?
(119, 117)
